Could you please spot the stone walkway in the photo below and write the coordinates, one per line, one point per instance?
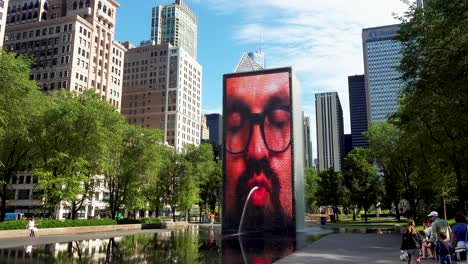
(350, 248)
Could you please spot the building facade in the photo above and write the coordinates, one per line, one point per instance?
(381, 57)
(330, 131)
(162, 89)
(307, 143)
(215, 125)
(3, 19)
(358, 110)
(258, 57)
(176, 24)
(205, 132)
(73, 46)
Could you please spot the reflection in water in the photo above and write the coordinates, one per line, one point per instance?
(256, 248)
(182, 246)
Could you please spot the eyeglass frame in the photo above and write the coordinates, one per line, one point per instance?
(259, 118)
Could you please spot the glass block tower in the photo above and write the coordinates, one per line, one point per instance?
(381, 57)
(358, 109)
(176, 24)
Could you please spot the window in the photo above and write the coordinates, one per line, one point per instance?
(23, 194)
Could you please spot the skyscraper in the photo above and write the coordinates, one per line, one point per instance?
(247, 64)
(381, 56)
(162, 89)
(176, 24)
(3, 18)
(421, 3)
(258, 56)
(215, 125)
(72, 43)
(330, 131)
(358, 110)
(307, 144)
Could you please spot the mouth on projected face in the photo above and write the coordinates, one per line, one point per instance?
(261, 195)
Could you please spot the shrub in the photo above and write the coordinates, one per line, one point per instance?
(156, 220)
(21, 224)
(128, 221)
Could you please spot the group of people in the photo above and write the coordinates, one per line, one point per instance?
(439, 239)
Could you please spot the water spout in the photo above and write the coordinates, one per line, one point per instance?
(243, 210)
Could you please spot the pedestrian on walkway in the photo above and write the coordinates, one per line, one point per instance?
(444, 249)
(411, 242)
(212, 220)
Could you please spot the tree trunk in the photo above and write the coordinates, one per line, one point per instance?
(397, 211)
(200, 217)
(173, 214)
(73, 211)
(365, 215)
(354, 213)
(187, 216)
(445, 208)
(3, 205)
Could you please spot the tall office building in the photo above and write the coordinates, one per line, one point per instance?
(162, 89)
(176, 24)
(381, 55)
(247, 64)
(330, 131)
(358, 110)
(307, 144)
(204, 132)
(72, 43)
(258, 56)
(215, 125)
(73, 47)
(3, 18)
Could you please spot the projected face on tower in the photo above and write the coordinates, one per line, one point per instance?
(257, 123)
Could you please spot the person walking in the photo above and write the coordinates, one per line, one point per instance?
(212, 220)
(411, 242)
(444, 249)
(460, 236)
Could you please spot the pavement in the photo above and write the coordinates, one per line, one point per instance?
(350, 248)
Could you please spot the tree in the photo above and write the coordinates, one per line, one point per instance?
(311, 186)
(211, 189)
(21, 103)
(361, 179)
(434, 69)
(329, 189)
(132, 155)
(69, 148)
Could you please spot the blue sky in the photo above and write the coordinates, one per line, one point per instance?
(320, 39)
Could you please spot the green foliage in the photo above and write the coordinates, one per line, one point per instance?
(433, 105)
(156, 220)
(361, 179)
(329, 188)
(21, 224)
(21, 103)
(310, 188)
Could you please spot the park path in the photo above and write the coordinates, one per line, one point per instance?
(350, 248)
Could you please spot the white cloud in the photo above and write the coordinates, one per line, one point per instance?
(320, 39)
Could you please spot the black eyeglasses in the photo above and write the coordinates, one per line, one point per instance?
(275, 126)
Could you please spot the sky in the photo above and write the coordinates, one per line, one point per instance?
(320, 39)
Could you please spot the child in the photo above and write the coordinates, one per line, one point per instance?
(443, 249)
(412, 242)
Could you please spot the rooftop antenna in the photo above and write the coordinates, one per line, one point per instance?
(261, 40)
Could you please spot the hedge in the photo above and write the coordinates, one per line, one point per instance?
(127, 221)
(21, 224)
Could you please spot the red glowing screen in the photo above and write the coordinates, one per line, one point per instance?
(258, 151)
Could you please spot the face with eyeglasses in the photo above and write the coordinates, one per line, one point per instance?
(258, 149)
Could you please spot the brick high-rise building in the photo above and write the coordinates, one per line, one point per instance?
(72, 43)
(162, 89)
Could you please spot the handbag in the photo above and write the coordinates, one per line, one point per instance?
(403, 255)
(460, 251)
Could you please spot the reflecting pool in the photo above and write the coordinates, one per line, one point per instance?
(190, 245)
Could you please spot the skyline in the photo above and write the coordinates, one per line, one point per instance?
(324, 46)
